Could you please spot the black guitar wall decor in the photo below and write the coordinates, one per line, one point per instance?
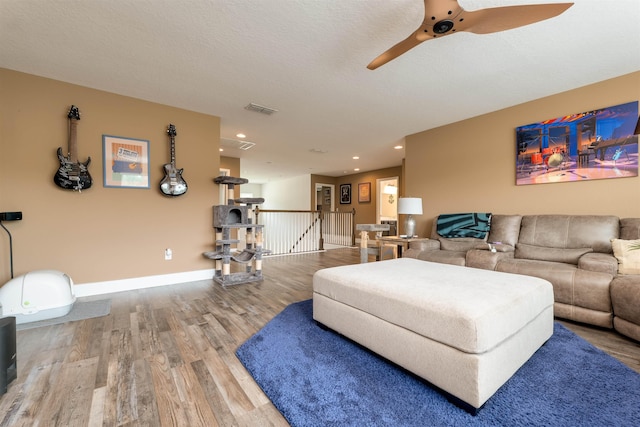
(172, 184)
(72, 174)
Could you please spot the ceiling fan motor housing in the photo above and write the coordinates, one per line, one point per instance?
(444, 20)
(443, 26)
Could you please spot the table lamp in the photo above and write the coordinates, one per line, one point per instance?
(410, 206)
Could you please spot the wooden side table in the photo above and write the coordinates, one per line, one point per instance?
(365, 250)
(401, 242)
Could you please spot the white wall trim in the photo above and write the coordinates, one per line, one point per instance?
(110, 286)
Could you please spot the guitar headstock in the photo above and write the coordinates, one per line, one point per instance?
(74, 113)
(171, 130)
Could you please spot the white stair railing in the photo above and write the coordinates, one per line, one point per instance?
(338, 228)
(293, 231)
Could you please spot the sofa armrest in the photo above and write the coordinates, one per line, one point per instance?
(495, 247)
(417, 247)
(487, 259)
(599, 262)
(425, 245)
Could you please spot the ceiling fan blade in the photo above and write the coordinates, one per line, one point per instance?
(446, 17)
(392, 53)
(493, 20)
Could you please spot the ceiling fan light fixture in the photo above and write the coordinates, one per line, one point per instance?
(443, 26)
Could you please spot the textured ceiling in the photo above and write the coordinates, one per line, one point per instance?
(307, 59)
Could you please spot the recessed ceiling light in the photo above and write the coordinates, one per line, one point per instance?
(356, 169)
(398, 147)
(241, 135)
(221, 149)
(355, 157)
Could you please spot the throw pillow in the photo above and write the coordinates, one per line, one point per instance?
(628, 254)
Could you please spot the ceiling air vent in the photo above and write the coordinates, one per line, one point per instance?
(260, 109)
(234, 143)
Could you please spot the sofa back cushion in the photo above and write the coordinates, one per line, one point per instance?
(630, 228)
(505, 229)
(570, 231)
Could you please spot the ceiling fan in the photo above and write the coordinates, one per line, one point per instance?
(445, 17)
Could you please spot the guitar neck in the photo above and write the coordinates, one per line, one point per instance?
(73, 140)
(173, 151)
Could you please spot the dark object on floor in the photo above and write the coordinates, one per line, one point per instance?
(8, 359)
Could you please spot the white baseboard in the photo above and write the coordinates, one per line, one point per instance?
(100, 288)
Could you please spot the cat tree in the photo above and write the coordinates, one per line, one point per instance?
(236, 214)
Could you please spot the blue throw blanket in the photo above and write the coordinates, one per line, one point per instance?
(464, 225)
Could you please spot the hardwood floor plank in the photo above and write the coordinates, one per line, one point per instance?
(170, 410)
(102, 373)
(193, 397)
(221, 411)
(96, 413)
(230, 390)
(125, 374)
(165, 356)
(146, 403)
(36, 392)
(69, 402)
(188, 351)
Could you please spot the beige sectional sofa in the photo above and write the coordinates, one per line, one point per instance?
(573, 252)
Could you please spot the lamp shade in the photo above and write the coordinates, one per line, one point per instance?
(410, 205)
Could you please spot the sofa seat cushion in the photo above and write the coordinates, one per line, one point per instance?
(444, 257)
(571, 285)
(462, 244)
(468, 309)
(595, 261)
(544, 253)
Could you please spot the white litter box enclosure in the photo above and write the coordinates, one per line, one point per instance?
(37, 295)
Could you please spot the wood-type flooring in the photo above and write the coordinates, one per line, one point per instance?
(164, 356)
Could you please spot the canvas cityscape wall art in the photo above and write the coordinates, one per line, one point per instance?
(596, 144)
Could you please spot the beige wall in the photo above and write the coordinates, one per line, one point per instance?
(365, 212)
(470, 165)
(233, 164)
(102, 233)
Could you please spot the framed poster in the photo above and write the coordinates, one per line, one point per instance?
(596, 144)
(364, 192)
(345, 194)
(125, 162)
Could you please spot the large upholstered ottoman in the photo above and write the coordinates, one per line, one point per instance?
(465, 330)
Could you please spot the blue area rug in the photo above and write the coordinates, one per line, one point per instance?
(316, 377)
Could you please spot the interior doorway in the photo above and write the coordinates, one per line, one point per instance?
(387, 203)
(324, 197)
